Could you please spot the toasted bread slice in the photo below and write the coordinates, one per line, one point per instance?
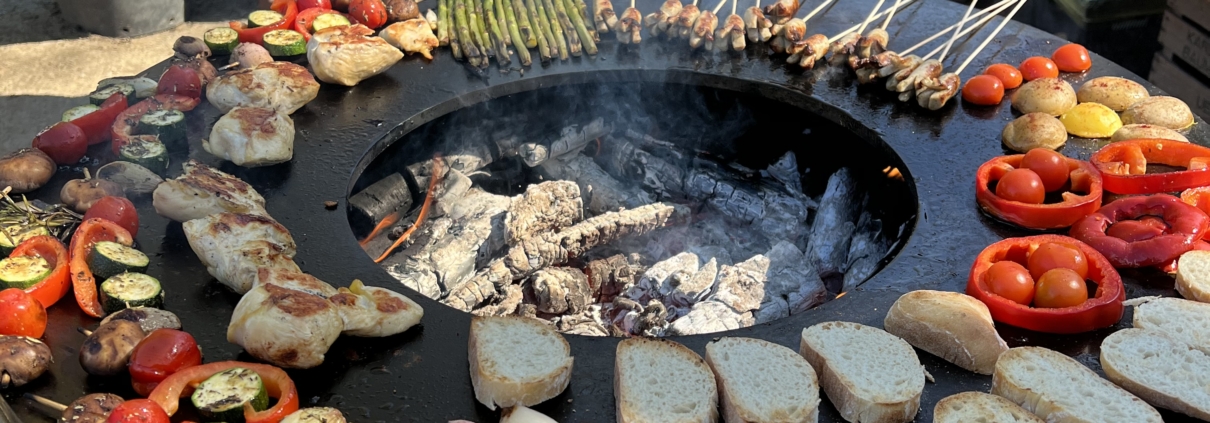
(517, 361)
(1187, 321)
(1059, 389)
(869, 375)
(660, 381)
(762, 382)
(1193, 275)
(1159, 369)
(974, 407)
(956, 327)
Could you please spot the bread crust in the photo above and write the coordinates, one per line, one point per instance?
(853, 407)
(1145, 392)
(972, 401)
(1036, 403)
(1187, 284)
(956, 327)
(734, 414)
(624, 411)
(493, 390)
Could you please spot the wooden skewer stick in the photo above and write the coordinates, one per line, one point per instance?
(632, 4)
(86, 332)
(721, 3)
(950, 43)
(814, 11)
(978, 25)
(855, 27)
(887, 22)
(5, 380)
(733, 3)
(46, 403)
(990, 37)
(993, 9)
(229, 66)
(870, 17)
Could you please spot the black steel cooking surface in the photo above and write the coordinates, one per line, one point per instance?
(422, 375)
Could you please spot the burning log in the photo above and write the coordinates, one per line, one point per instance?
(582, 324)
(612, 275)
(602, 193)
(866, 250)
(543, 207)
(627, 161)
(510, 302)
(379, 200)
(791, 286)
(662, 278)
(835, 221)
(709, 316)
(742, 286)
(561, 290)
(778, 213)
(571, 140)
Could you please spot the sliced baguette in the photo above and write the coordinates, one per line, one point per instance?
(869, 375)
(517, 361)
(1193, 275)
(1059, 389)
(1187, 321)
(1159, 369)
(956, 327)
(978, 407)
(660, 381)
(762, 382)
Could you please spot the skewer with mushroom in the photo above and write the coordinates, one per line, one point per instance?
(790, 36)
(871, 45)
(604, 16)
(846, 46)
(782, 11)
(898, 66)
(731, 33)
(759, 27)
(683, 27)
(630, 26)
(816, 46)
(660, 21)
(931, 89)
(703, 28)
(933, 95)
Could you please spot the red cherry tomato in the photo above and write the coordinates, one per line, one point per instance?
(1072, 58)
(1010, 280)
(180, 80)
(138, 411)
(1021, 185)
(1010, 76)
(1053, 255)
(984, 90)
(21, 314)
(1038, 67)
(371, 13)
(1049, 165)
(1142, 229)
(117, 210)
(159, 355)
(314, 4)
(64, 142)
(1060, 288)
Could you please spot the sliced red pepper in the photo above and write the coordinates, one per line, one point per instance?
(55, 285)
(1102, 310)
(89, 233)
(124, 125)
(1170, 267)
(1186, 225)
(1123, 166)
(1197, 197)
(96, 125)
(277, 383)
(1083, 178)
(302, 24)
(289, 11)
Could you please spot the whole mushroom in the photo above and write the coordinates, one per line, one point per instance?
(91, 408)
(80, 194)
(26, 170)
(188, 47)
(249, 55)
(148, 318)
(106, 351)
(1052, 96)
(401, 10)
(22, 359)
(1034, 130)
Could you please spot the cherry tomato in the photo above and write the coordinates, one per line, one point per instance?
(1022, 185)
(1049, 165)
(180, 80)
(984, 90)
(313, 4)
(1038, 67)
(1010, 76)
(138, 411)
(1053, 255)
(1059, 288)
(1072, 58)
(371, 13)
(159, 355)
(1142, 229)
(117, 210)
(21, 314)
(1010, 280)
(64, 142)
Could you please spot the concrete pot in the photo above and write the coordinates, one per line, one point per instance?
(124, 18)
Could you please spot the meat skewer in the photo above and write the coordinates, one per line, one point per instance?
(604, 16)
(731, 33)
(907, 79)
(630, 25)
(816, 46)
(703, 28)
(935, 97)
(931, 90)
(898, 66)
(759, 27)
(685, 19)
(845, 46)
(661, 20)
(872, 44)
(791, 40)
(782, 11)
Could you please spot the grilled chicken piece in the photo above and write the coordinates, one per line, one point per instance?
(936, 92)
(873, 43)
(375, 312)
(731, 34)
(347, 55)
(240, 268)
(412, 36)
(758, 25)
(703, 30)
(815, 47)
(296, 280)
(629, 26)
(202, 191)
(790, 39)
(252, 136)
(284, 327)
(844, 47)
(900, 81)
(683, 26)
(282, 86)
(898, 69)
(782, 11)
(661, 20)
(234, 247)
(604, 15)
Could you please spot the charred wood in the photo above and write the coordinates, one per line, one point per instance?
(742, 286)
(627, 161)
(832, 230)
(508, 303)
(866, 251)
(543, 207)
(571, 140)
(561, 290)
(601, 192)
(709, 316)
(379, 200)
(610, 276)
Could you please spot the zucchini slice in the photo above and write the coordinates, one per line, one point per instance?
(285, 42)
(143, 87)
(221, 398)
(101, 94)
(221, 40)
(263, 17)
(128, 290)
(169, 125)
(149, 154)
(109, 258)
(16, 234)
(75, 112)
(328, 20)
(23, 272)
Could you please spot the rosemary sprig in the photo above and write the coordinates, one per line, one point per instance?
(17, 217)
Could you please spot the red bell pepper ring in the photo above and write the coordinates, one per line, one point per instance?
(96, 125)
(1102, 310)
(277, 383)
(1123, 166)
(129, 118)
(1186, 226)
(1083, 179)
(89, 233)
(289, 11)
(302, 24)
(54, 286)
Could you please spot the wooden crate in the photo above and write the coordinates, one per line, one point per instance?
(1179, 83)
(1181, 36)
(1197, 11)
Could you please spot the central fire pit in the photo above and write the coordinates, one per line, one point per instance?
(634, 208)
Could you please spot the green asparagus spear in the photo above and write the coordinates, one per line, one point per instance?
(480, 29)
(518, 13)
(503, 58)
(443, 23)
(473, 53)
(588, 23)
(547, 46)
(515, 31)
(506, 37)
(548, 13)
(586, 37)
(451, 24)
(558, 10)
